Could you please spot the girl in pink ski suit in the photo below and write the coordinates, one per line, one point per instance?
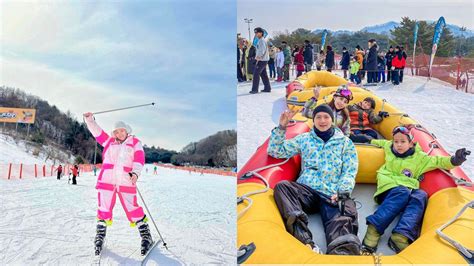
(120, 158)
(122, 162)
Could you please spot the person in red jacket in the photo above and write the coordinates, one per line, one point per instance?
(299, 62)
(75, 171)
(60, 171)
(397, 64)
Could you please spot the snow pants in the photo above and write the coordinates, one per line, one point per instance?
(355, 78)
(410, 203)
(280, 73)
(260, 71)
(400, 76)
(296, 200)
(286, 72)
(371, 76)
(395, 76)
(381, 76)
(107, 194)
(271, 68)
(363, 136)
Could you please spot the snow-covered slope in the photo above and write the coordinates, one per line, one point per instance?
(19, 151)
(46, 221)
(435, 105)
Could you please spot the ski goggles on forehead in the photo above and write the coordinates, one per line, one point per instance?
(346, 93)
(403, 130)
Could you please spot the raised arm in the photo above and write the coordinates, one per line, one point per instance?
(99, 134)
(278, 146)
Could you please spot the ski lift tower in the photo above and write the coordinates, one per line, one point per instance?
(248, 21)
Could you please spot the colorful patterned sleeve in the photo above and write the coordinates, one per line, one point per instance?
(350, 164)
(279, 147)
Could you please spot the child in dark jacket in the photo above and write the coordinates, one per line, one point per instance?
(362, 114)
(398, 189)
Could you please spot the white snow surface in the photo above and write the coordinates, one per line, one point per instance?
(17, 152)
(434, 104)
(48, 221)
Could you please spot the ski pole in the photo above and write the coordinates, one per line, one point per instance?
(151, 217)
(118, 109)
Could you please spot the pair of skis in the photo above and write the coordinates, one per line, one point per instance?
(98, 257)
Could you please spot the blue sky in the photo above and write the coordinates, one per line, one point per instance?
(281, 15)
(89, 56)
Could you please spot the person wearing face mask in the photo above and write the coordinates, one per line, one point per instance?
(329, 166)
(122, 162)
(398, 189)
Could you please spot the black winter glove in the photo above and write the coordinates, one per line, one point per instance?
(383, 114)
(460, 156)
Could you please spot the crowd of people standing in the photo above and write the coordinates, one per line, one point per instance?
(376, 66)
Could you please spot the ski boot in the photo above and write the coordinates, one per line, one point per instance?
(100, 236)
(144, 230)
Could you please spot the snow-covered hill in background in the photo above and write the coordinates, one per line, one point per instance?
(434, 104)
(19, 151)
(49, 222)
(382, 28)
(386, 27)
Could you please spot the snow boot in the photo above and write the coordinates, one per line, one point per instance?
(144, 230)
(398, 242)
(100, 236)
(371, 240)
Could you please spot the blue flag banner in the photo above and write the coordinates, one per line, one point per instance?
(436, 37)
(323, 39)
(415, 37)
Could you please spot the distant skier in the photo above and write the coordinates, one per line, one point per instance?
(75, 173)
(155, 170)
(60, 171)
(123, 160)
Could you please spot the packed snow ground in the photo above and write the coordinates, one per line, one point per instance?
(434, 104)
(47, 221)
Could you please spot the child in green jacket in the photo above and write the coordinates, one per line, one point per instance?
(353, 69)
(398, 189)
